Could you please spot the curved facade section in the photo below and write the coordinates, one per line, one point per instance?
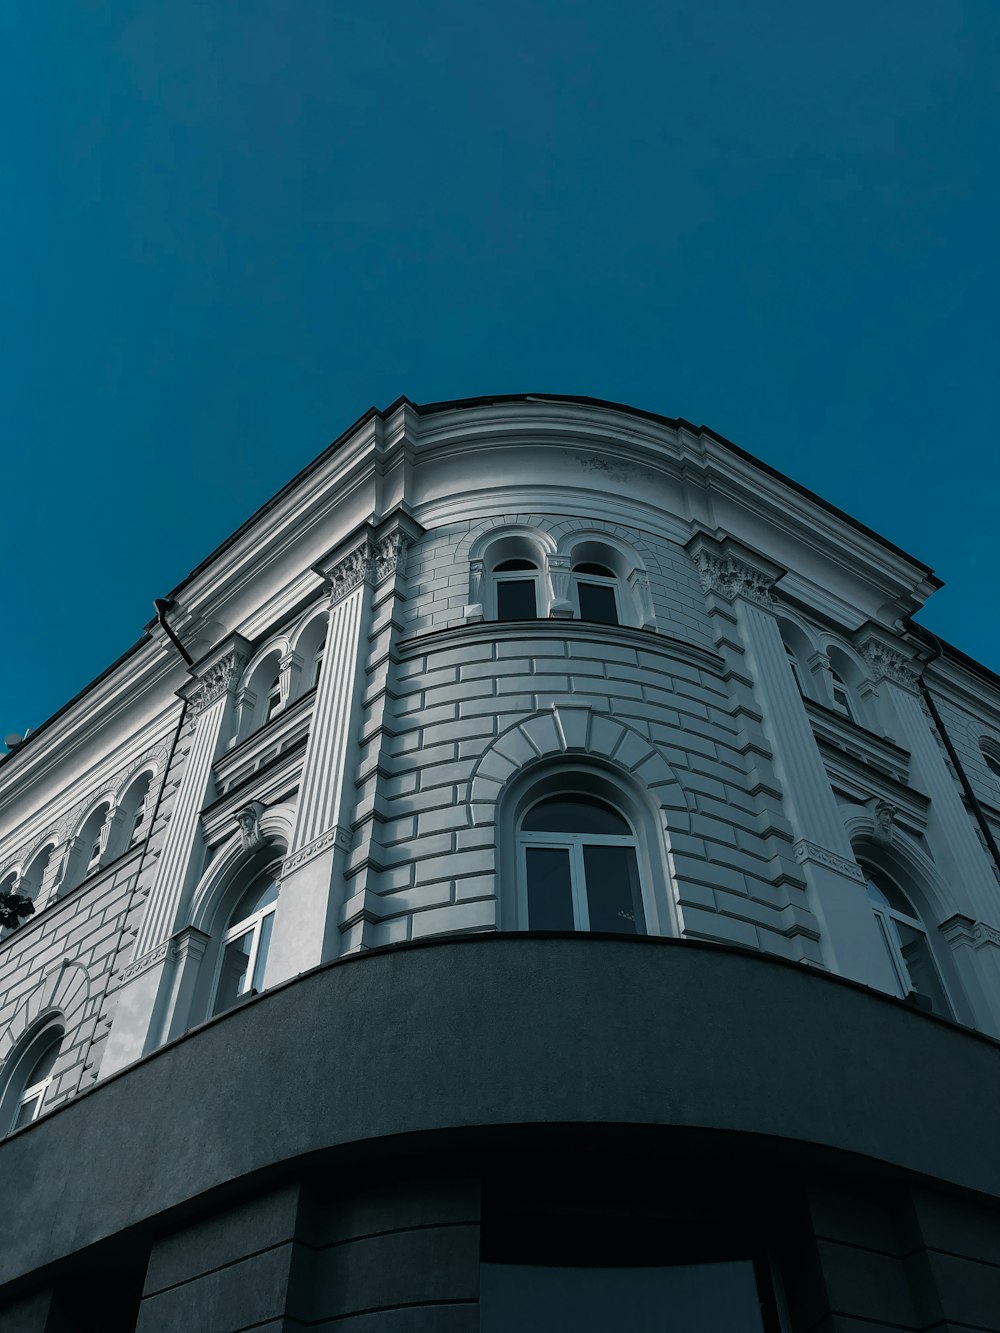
(560, 817)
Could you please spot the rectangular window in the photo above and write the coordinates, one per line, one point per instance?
(597, 602)
(550, 892)
(516, 599)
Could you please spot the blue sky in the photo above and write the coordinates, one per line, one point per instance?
(232, 227)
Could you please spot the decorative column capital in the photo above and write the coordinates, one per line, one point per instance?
(729, 577)
(376, 554)
(885, 662)
(217, 679)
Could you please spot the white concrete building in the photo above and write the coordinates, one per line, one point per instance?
(552, 679)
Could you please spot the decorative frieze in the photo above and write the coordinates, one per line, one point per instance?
(338, 837)
(960, 929)
(804, 851)
(731, 578)
(217, 679)
(148, 960)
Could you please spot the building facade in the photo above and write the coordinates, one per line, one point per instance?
(535, 873)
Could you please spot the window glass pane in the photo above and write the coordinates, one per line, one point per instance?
(232, 978)
(613, 898)
(575, 814)
(888, 934)
(688, 1298)
(992, 763)
(262, 947)
(261, 894)
(597, 602)
(28, 1110)
(43, 1065)
(885, 893)
(923, 974)
(591, 568)
(506, 565)
(516, 599)
(550, 896)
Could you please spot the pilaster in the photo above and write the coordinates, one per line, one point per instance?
(148, 985)
(313, 887)
(821, 846)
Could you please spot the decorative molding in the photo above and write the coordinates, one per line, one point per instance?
(959, 929)
(371, 562)
(148, 960)
(217, 680)
(804, 851)
(731, 578)
(334, 837)
(886, 663)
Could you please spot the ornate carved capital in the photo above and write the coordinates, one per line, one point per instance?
(348, 573)
(885, 663)
(731, 578)
(390, 554)
(219, 678)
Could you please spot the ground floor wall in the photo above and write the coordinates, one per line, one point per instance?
(355, 1150)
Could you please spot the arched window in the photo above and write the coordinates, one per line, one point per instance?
(28, 1077)
(244, 946)
(578, 868)
(317, 664)
(89, 847)
(33, 877)
(596, 589)
(905, 940)
(991, 758)
(793, 663)
(515, 584)
(842, 695)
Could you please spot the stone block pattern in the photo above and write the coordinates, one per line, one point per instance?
(459, 703)
(438, 572)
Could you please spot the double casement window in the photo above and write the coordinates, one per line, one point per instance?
(29, 1104)
(905, 940)
(597, 593)
(841, 695)
(516, 590)
(579, 868)
(245, 944)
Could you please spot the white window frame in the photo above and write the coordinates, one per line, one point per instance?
(839, 686)
(885, 916)
(574, 843)
(516, 576)
(254, 923)
(317, 669)
(602, 580)
(795, 668)
(37, 1090)
(141, 814)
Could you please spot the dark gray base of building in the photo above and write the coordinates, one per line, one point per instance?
(345, 1152)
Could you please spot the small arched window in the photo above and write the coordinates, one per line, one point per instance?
(33, 877)
(515, 584)
(317, 663)
(842, 695)
(245, 944)
(89, 850)
(793, 663)
(578, 867)
(905, 939)
(991, 758)
(29, 1078)
(596, 589)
